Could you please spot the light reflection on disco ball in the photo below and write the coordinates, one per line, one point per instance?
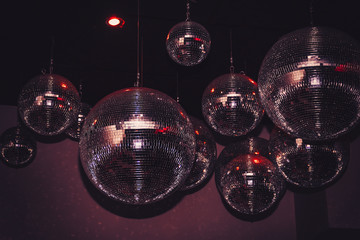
(48, 104)
(137, 146)
(75, 129)
(205, 155)
(309, 83)
(188, 43)
(248, 182)
(18, 147)
(308, 165)
(231, 104)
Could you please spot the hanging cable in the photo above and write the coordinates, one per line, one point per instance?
(232, 69)
(311, 12)
(177, 88)
(187, 11)
(137, 82)
(51, 66)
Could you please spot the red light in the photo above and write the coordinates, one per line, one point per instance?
(237, 168)
(252, 81)
(197, 132)
(341, 68)
(213, 90)
(197, 39)
(115, 22)
(256, 153)
(165, 129)
(256, 161)
(60, 99)
(63, 85)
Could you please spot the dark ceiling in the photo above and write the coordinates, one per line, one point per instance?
(104, 59)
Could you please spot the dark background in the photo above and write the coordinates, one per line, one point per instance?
(104, 59)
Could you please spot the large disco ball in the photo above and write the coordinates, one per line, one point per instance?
(75, 129)
(48, 104)
(231, 104)
(247, 181)
(137, 146)
(309, 83)
(18, 147)
(205, 155)
(308, 164)
(188, 43)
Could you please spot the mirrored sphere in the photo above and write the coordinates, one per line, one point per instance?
(305, 164)
(137, 145)
(18, 147)
(309, 83)
(48, 104)
(75, 129)
(188, 43)
(249, 183)
(231, 104)
(205, 155)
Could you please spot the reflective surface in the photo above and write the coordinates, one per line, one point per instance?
(137, 145)
(305, 164)
(188, 43)
(249, 183)
(18, 147)
(48, 104)
(205, 155)
(231, 105)
(75, 129)
(309, 83)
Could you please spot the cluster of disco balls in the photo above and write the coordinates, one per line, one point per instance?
(309, 86)
(138, 145)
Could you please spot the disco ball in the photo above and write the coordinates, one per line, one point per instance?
(309, 83)
(18, 147)
(231, 105)
(205, 155)
(248, 182)
(137, 146)
(48, 104)
(188, 43)
(75, 129)
(308, 165)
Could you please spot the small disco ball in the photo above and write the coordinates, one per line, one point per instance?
(308, 165)
(188, 43)
(48, 104)
(231, 105)
(309, 83)
(137, 146)
(205, 155)
(247, 181)
(75, 129)
(18, 147)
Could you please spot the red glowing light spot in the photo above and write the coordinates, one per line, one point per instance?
(63, 85)
(95, 121)
(237, 168)
(197, 132)
(341, 68)
(61, 106)
(197, 39)
(164, 130)
(256, 153)
(115, 22)
(213, 90)
(252, 81)
(257, 161)
(60, 99)
(182, 114)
